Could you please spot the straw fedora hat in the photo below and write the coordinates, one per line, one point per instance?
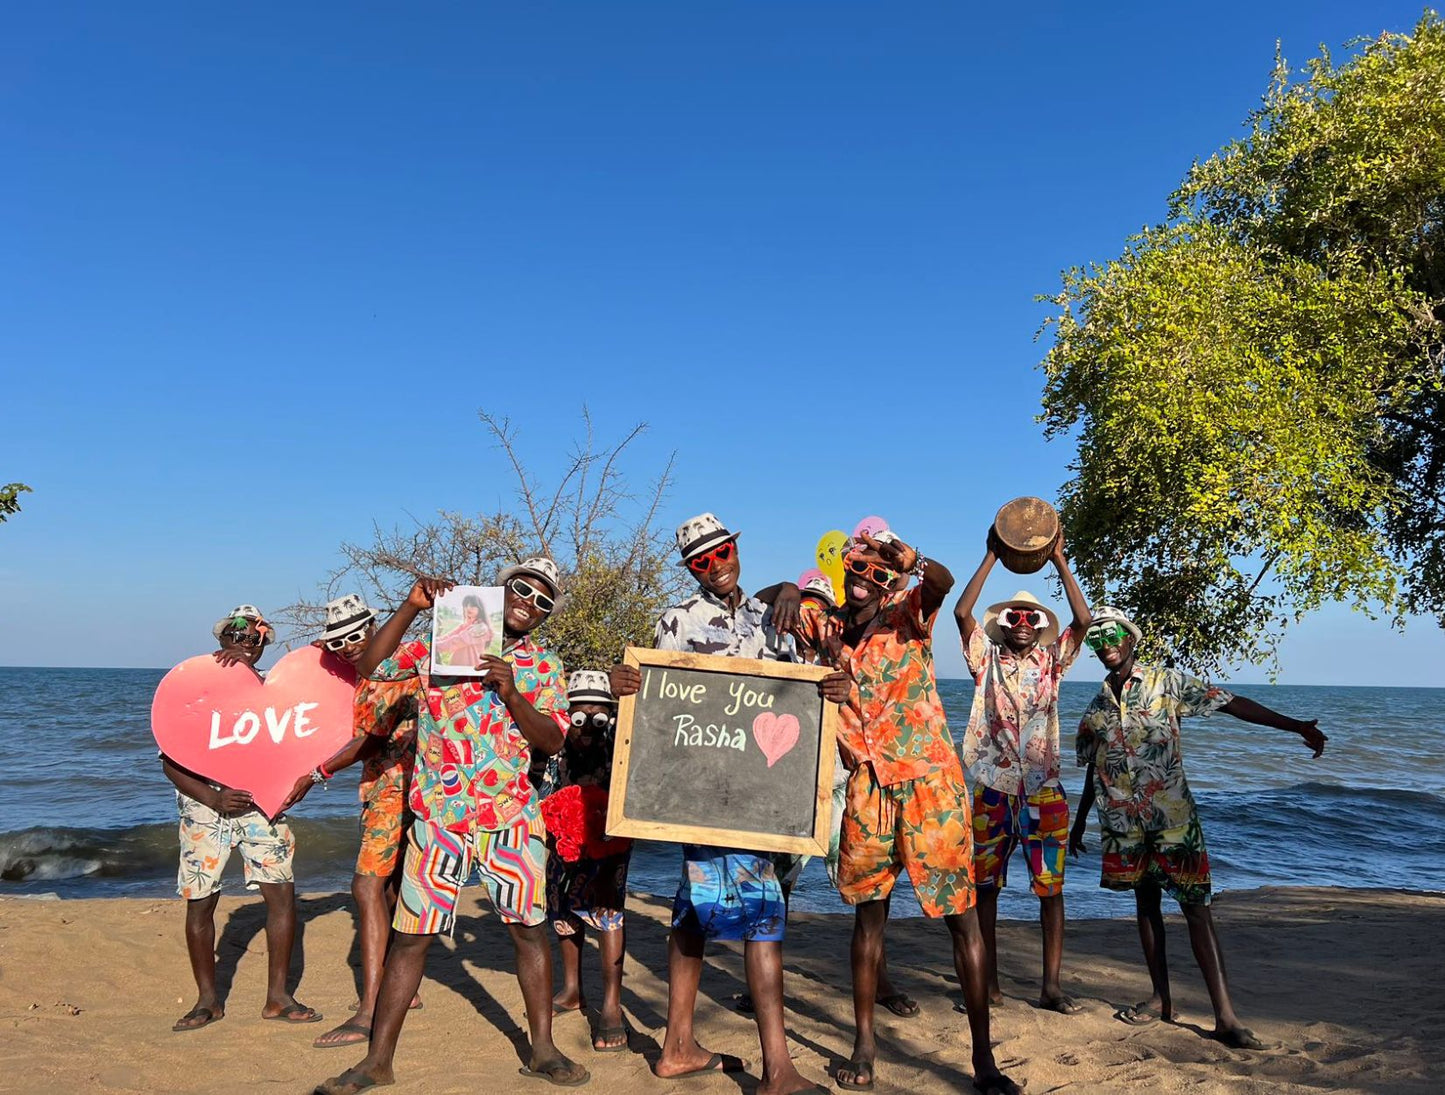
(1022, 599)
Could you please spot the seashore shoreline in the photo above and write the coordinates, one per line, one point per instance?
(1344, 981)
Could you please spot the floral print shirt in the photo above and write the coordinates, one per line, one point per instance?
(1012, 740)
(386, 709)
(894, 719)
(471, 758)
(1133, 744)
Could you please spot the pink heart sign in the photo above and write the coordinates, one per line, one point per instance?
(775, 735)
(227, 724)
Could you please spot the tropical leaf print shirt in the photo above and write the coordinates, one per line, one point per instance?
(471, 758)
(1133, 744)
(893, 720)
(1012, 740)
(386, 709)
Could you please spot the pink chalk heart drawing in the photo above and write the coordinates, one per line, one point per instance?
(223, 722)
(775, 735)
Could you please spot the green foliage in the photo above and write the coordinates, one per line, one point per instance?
(1255, 386)
(616, 570)
(10, 499)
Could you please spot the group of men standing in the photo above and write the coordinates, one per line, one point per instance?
(905, 803)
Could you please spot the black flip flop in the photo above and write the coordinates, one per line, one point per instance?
(296, 1015)
(350, 1025)
(604, 1034)
(856, 1067)
(352, 1080)
(900, 1004)
(196, 1013)
(543, 1074)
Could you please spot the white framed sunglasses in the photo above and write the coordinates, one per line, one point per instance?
(357, 636)
(524, 589)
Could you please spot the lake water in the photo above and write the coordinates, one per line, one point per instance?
(85, 811)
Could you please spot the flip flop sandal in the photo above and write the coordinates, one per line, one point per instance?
(351, 1026)
(296, 1015)
(855, 1067)
(348, 1082)
(1138, 1015)
(196, 1013)
(606, 1034)
(1239, 1038)
(1063, 1005)
(900, 1004)
(543, 1074)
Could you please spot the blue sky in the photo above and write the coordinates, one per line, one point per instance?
(263, 265)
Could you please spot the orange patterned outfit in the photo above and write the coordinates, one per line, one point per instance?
(906, 805)
(385, 709)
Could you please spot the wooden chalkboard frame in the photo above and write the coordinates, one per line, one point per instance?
(619, 824)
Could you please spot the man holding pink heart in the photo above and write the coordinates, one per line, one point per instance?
(474, 809)
(215, 819)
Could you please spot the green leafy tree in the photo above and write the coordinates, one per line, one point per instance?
(1254, 387)
(616, 567)
(10, 499)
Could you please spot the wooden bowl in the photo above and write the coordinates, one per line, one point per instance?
(1024, 534)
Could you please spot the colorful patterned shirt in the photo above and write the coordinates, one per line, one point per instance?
(471, 758)
(707, 624)
(894, 719)
(386, 709)
(1133, 743)
(1012, 740)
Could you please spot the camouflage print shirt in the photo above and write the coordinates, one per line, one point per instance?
(706, 624)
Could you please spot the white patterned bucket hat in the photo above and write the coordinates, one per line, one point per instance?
(345, 615)
(589, 686)
(701, 534)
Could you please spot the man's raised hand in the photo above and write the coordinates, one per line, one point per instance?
(893, 554)
(231, 801)
(425, 591)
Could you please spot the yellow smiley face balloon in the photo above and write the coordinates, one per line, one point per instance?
(830, 559)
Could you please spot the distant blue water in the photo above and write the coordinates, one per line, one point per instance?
(85, 811)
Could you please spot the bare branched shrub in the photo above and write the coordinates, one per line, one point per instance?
(616, 566)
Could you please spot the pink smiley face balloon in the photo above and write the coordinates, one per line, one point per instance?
(869, 526)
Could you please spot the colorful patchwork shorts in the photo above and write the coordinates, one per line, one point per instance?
(385, 819)
(512, 863)
(1175, 860)
(267, 848)
(729, 894)
(922, 825)
(1001, 822)
(590, 892)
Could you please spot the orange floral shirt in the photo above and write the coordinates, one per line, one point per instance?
(387, 709)
(894, 719)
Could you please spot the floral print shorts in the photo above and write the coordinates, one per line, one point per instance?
(921, 825)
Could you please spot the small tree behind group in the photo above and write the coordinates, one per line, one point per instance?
(616, 567)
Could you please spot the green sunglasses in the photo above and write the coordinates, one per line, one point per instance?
(1110, 634)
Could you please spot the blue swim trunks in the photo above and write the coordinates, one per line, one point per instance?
(729, 894)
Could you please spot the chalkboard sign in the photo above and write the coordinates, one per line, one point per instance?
(732, 752)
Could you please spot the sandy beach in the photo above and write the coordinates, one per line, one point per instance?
(1348, 982)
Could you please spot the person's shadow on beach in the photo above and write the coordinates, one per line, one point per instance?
(248, 921)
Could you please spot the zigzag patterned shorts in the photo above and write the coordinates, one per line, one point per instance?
(512, 863)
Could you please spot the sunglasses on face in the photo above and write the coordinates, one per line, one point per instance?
(701, 564)
(244, 638)
(357, 636)
(529, 592)
(600, 720)
(879, 576)
(1105, 635)
(1012, 617)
